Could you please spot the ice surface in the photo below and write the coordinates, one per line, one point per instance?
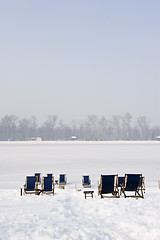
(67, 215)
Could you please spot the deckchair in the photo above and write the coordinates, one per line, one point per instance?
(48, 185)
(86, 182)
(38, 175)
(108, 185)
(133, 183)
(62, 179)
(30, 185)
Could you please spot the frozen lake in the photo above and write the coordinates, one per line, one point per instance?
(76, 159)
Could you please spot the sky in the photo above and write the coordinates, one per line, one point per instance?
(76, 58)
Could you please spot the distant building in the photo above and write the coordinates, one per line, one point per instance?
(36, 139)
(73, 138)
(157, 138)
(10, 139)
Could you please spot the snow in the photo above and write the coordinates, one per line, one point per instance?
(67, 214)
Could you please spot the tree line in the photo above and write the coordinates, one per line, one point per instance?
(92, 128)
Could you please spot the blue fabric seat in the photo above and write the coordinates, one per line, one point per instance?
(62, 179)
(108, 185)
(30, 185)
(48, 185)
(133, 183)
(86, 182)
(86, 179)
(49, 175)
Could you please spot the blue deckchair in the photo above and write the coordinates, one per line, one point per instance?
(62, 179)
(86, 182)
(108, 185)
(48, 185)
(133, 183)
(30, 184)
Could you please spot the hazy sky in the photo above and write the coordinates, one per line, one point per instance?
(74, 58)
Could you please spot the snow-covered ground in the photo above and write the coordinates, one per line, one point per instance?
(67, 215)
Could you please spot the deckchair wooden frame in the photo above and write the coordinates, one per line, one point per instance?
(42, 186)
(120, 184)
(138, 192)
(85, 185)
(143, 184)
(115, 194)
(39, 182)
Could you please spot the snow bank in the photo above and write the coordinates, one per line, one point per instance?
(67, 215)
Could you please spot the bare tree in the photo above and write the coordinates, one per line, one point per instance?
(144, 127)
(33, 126)
(49, 126)
(102, 126)
(116, 121)
(126, 126)
(24, 129)
(92, 128)
(8, 126)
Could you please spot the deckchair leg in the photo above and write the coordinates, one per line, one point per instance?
(124, 193)
(142, 193)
